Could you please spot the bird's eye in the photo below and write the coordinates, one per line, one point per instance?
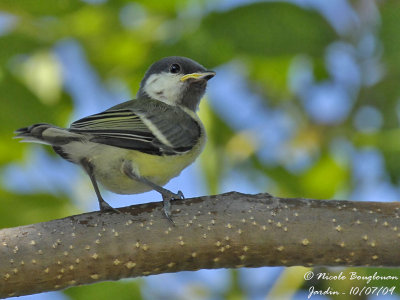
(174, 68)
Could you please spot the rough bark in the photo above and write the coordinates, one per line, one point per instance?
(231, 230)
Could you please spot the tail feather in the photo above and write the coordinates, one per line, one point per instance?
(47, 134)
(32, 132)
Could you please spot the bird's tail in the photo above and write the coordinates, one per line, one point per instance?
(47, 134)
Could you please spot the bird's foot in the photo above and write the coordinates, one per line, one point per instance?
(105, 207)
(180, 194)
(167, 197)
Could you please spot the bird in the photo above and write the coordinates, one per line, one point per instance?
(138, 145)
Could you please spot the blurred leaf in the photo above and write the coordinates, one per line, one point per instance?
(127, 289)
(289, 281)
(385, 94)
(325, 178)
(387, 141)
(213, 156)
(241, 146)
(235, 292)
(16, 43)
(390, 33)
(41, 73)
(384, 272)
(341, 285)
(261, 29)
(286, 183)
(286, 29)
(162, 7)
(20, 107)
(24, 209)
(40, 7)
(346, 285)
(270, 76)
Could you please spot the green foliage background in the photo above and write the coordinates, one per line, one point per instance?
(266, 38)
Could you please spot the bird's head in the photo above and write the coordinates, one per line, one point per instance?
(176, 80)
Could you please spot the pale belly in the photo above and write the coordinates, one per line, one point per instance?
(108, 162)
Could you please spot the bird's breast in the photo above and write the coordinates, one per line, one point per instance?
(108, 161)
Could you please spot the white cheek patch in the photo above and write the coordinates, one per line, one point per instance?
(165, 87)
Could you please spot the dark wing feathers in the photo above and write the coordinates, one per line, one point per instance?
(123, 126)
(177, 127)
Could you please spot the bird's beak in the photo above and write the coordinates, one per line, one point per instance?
(207, 75)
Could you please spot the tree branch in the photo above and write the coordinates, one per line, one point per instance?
(224, 231)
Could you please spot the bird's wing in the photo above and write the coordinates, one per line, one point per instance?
(154, 131)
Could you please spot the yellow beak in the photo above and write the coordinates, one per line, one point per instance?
(199, 76)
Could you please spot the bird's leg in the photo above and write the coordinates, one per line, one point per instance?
(88, 167)
(167, 195)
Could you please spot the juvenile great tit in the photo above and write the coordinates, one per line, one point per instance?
(138, 145)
